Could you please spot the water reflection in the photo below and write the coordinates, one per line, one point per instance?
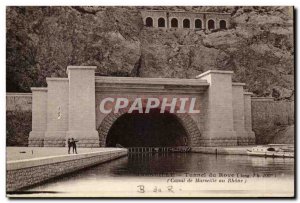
(136, 165)
(182, 162)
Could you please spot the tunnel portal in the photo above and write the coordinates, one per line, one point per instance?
(152, 129)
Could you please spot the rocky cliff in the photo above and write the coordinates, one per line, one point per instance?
(42, 41)
(258, 47)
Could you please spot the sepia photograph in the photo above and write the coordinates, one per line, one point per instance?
(150, 101)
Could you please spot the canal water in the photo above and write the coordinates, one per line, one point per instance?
(178, 174)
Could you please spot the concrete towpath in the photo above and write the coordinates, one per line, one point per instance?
(21, 153)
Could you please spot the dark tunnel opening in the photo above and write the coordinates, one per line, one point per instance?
(152, 129)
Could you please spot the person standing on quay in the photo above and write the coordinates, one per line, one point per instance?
(74, 145)
(69, 145)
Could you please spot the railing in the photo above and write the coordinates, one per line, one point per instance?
(158, 149)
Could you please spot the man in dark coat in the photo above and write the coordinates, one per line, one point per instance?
(74, 145)
(69, 145)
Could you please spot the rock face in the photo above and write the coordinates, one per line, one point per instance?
(42, 41)
(284, 136)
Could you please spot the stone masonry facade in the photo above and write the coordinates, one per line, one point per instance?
(69, 107)
(207, 21)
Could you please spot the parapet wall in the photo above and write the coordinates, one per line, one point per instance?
(18, 118)
(25, 173)
(269, 117)
(18, 101)
(277, 112)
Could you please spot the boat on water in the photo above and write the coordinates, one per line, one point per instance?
(271, 151)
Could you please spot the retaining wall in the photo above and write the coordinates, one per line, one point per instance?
(24, 173)
(18, 101)
(269, 117)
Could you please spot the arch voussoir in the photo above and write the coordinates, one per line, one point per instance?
(186, 121)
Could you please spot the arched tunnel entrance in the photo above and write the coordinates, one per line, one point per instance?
(153, 129)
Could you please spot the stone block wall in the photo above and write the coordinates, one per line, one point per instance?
(82, 115)
(39, 117)
(18, 118)
(18, 101)
(270, 117)
(180, 16)
(155, 15)
(218, 130)
(18, 127)
(248, 117)
(191, 16)
(279, 112)
(239, 113)
(217, 18)
(22, 174)
(57, 112)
